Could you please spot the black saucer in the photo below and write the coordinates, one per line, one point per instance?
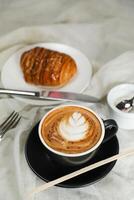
(43, 166)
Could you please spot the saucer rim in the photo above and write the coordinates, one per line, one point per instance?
(68, 185)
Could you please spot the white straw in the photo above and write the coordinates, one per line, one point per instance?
(81, 171)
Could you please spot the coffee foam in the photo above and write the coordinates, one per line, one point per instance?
(71, 129)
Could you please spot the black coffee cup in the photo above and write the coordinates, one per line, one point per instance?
(109, 129)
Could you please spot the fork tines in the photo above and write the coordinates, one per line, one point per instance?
(10, 122)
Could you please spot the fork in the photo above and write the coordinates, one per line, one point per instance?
(10, 122)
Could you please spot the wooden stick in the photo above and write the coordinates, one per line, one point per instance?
(81, 171)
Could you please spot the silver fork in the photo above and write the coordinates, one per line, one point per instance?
(10, 122)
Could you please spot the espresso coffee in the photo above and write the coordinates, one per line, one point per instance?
(71, 129)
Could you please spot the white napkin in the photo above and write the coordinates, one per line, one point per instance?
(16, 179)
(118, 70)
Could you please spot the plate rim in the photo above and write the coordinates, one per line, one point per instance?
(61, 45)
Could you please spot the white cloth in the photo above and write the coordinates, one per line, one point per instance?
(102, 31)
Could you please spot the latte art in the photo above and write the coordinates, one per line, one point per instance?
(73, 127)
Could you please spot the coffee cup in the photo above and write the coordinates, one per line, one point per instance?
(72, 134)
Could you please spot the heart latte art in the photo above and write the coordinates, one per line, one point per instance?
(71, 129)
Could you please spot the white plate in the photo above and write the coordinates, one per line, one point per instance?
(12, 76)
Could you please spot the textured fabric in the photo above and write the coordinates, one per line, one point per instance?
(103, 31)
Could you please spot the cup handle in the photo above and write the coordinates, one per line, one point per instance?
(111, 128)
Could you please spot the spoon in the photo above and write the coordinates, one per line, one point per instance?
(125, 105)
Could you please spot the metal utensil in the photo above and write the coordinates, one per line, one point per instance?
(51, 95)
(10, 122)
(126, 105)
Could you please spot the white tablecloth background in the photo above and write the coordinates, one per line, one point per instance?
(103, 31)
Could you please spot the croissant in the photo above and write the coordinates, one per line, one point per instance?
(46, 67)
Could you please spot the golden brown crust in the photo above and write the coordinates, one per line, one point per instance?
(46, 67)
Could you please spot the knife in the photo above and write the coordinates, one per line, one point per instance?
(51, 95)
